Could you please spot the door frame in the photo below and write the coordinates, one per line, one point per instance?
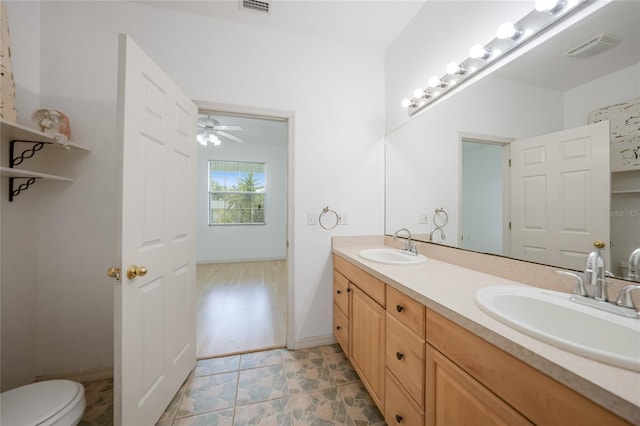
(289, 116)
(506, 181)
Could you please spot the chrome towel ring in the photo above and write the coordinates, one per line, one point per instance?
(328, 219)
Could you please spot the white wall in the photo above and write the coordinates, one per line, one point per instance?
(335, 91)
(423, 156)
(19, 230)
(244, 242)
(434, 38)
(620, 86)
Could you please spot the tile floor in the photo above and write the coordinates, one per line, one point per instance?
(315, 386)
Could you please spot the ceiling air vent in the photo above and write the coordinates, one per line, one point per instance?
(594, 46)
(257, 5)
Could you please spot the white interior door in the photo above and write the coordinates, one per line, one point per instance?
(561, 195)
(154, 312)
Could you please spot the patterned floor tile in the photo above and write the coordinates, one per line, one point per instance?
(217, 418)
(309, 353)
(360, 406)
(323, 408)
(207, 367)
(99, 403)
(261, 359)
(269, 413)
(308, 375)
(330, 350)
(170, 412)
(208, 393)
(261, 384)
(341, 369)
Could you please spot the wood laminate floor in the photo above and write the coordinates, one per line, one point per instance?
(241, 307)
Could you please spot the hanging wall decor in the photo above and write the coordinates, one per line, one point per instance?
(624, 122)
(7, 84)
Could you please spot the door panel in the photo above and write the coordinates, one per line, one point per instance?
(155, 314)
(559, 182)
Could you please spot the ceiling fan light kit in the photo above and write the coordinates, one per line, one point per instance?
(210, 131)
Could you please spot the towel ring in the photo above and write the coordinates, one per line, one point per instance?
(330, 220)
(435, 216)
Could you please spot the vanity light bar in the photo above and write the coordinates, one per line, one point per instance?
(510, 35)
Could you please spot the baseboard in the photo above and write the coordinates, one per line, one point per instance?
(312, 342)
(265, 259)
(82, 376)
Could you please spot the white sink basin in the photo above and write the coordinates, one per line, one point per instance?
(551, 317)
(392, 256)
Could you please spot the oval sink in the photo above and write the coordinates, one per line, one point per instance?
(552, 317)
(392, 256)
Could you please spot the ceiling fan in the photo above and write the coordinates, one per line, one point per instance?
(210, 129)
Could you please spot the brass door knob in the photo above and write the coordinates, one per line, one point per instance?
(136, 271)
(114, 272)
(598, 244)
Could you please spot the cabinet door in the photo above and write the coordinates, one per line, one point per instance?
(367, 327)
(455, 398)
(341, 329)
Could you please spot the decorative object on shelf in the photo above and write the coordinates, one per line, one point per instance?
(624, 124)
(53, 123)
(7, 84)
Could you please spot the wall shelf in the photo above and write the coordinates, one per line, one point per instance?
(14, 135)
(628, 191)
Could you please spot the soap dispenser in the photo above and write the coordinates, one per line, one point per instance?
(595, 273)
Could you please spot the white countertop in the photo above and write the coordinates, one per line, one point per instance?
(450, 290)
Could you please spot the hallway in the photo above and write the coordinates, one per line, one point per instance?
(241, 307)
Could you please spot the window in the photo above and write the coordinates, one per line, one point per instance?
(236, 193)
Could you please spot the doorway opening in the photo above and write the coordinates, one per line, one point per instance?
(485, 194)
(242, 273)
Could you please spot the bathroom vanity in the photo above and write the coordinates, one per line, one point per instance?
(429, 356)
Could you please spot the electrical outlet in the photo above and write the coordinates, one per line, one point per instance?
(423, 218)
(311, 219)
(342, 218)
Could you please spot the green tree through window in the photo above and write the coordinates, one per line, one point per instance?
(236, 193)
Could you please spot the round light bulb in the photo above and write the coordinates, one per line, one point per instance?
(436, 82)
(406, 103)
(548, 6)
(453, 68)
(202, 139)
(418, 93)
(507, 30)
(479, 52)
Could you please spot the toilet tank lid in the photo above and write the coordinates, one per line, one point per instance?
(33, 404)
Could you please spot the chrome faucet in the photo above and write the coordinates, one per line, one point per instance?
(409, 245)
(634, 265)
(624, 299)
(595, 274)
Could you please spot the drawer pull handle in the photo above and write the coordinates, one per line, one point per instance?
(399, 356)
(338, 327)
(348, 289)
(399, 308)
(338, 292)
(398, 418)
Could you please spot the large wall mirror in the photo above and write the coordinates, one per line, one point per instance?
(450, 163)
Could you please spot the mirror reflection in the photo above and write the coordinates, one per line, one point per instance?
(570, 124)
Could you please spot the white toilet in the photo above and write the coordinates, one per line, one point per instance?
(52, 402)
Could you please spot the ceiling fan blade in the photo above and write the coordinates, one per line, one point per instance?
(230, 136)
(227, 128)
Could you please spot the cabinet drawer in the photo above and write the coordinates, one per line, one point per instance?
(341, 292)
(405, 358)
(365, 281)
(341, 329)
(410, 312)
(399, 409)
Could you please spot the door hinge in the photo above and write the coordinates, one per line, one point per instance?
(509, 162)
(509, 225)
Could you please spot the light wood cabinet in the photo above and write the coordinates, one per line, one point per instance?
(421, 368)
(534, 395)
(398, 408)
(367, 337)
(359, 323)
(454, 398)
